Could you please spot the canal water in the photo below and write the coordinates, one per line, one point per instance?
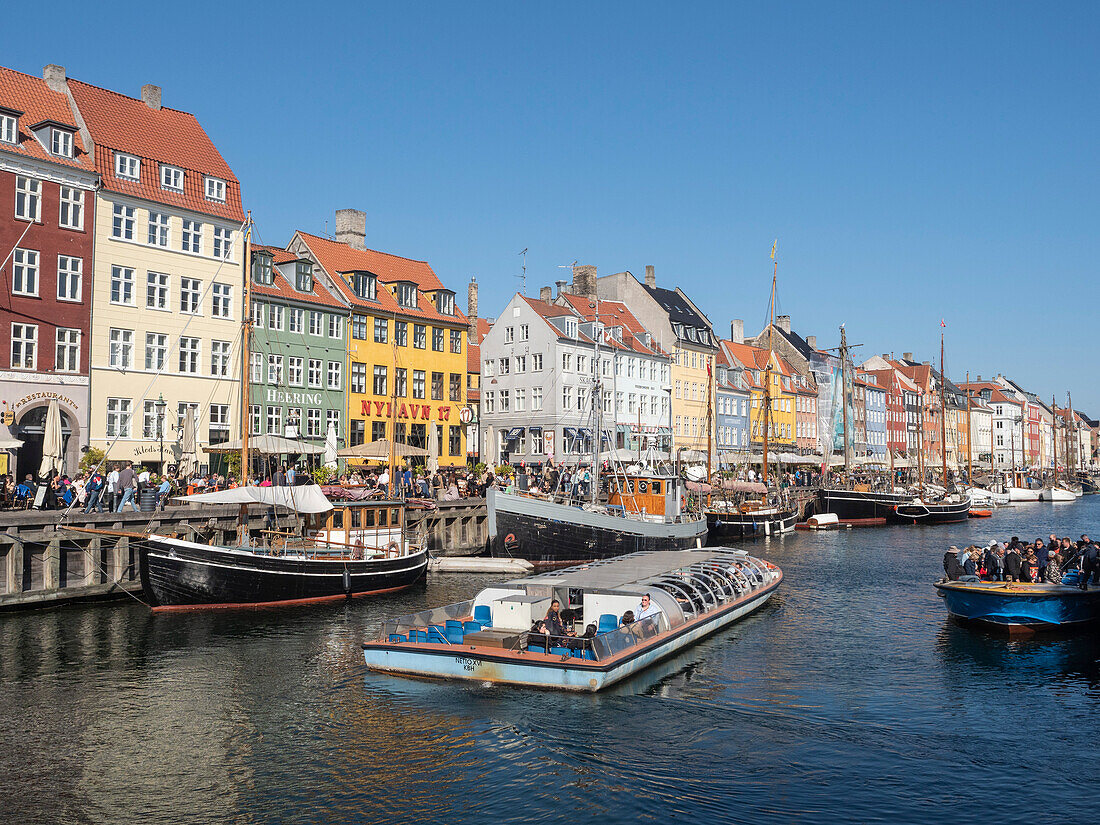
(850, 698)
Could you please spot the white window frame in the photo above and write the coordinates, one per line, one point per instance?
(160, 229)
(9, 128)
(122, 222)
(223, 243)
(156, 350)
(335, 375)
(61, 142)
(275, 369)
(70, 273)
(171, 178)
(336, 327)
(295, 368)
(214, 188)
(127, 167)
(70, 210)
(191, 236)
(275, 317)
(313, 422)
(24, 343)
(120, 348)
(219, 358)
(315, 373)
(67, 341)
(190, 296)
(28, 198)
(158, 291)
(26, 272)
(316, 323)
(294, 320)
(221, 301)
(190, 355)
(118, 417)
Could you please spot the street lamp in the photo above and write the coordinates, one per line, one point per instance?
(160, 405)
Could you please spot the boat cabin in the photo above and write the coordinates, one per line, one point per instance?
(647, 495)
(369, 525)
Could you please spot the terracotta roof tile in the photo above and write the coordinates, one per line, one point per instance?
(281, 288)
(38, 102)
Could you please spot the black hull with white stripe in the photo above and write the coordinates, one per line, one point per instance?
(919, 512)
(177, 573)
(850, 505)
(722, 526)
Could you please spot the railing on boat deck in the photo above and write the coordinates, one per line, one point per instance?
(616, 510)
(425, 619)
(279, 542)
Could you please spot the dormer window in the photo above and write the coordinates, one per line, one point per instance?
(445, 303)
(303, 276)
(365, 286)
(262, 269)
(61, 143)
(215, 189)
(571, 328)
(171, 178)
(9, 126)
(406, 295)
(127, 166)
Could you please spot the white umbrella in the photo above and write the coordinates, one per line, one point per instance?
(488, 449)
(331, 445)
(51, 441)
(433, 448)
(188, 459)
(7, 440)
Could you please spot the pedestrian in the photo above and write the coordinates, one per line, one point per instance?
(113, 493)
(94, 490)
(127, 484)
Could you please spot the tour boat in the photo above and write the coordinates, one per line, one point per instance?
(693, 593)
(353, 549)
(1020, 606)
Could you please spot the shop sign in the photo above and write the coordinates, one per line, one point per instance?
(45, 396)
(422, 412)
(284, 397)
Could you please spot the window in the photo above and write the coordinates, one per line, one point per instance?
(521, 400)
(149, 422)
(219, 423)
(313, 423)
(313, 373)
(582, 364)
(222, 301)
(335, 327)
(505, 405)
(223, 243)
(454, 441)
(156, 350)
(418, 383)
(274, 369)
(303, 276)
(445, 303)
(401, 333)
(381, 330)
(456, 387)
(509, 335)
(189, 355)
(406, 295)
(420, 340)
(256, 368)
(257, 314)
(536, 362)
(521, 363)
(127, 166)
(335, 375)
(294, 370)
(171, 177)
(536, 441)
(619, 402)
(295, 320)
(158, 229)
(437, 339)
(71, 214)
(25, 272)
(315, 323)
(275, 317)
(254, 413)
(219, 359)
(567, 362)
(275, 420)
(437, 386)
(156, 290)
(524, 332)
(262, 269)
(192, 236)
(359, 327)
(8, 124)
(365, 286)
(332, 418)
(380, 380)
(378, 431)
(190, 295)
(490, 402)
(215, 189)
(504, 364)
(24, 346)
(566, 397)
(536, 399)
(28, 198)
(118, 417)
(121, 348)
(456, 341)
(122, 222)
(358, 377)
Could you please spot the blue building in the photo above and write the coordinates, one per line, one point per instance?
(876, 417)
(731, 406)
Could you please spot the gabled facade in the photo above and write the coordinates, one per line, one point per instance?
(47, 213)
(781, 421)
(734, 398)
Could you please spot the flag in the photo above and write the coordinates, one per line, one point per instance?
(775, 243)
(942, 324)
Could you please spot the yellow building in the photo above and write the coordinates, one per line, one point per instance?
(168, 269)
(781, 429)
(407, 346)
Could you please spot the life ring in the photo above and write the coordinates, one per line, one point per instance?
(510, 538)
(392, 550)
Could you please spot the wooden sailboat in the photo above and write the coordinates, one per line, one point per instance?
(1056, 491)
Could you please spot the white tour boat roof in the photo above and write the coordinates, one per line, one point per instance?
(632, 569)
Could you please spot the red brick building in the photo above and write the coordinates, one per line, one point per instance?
(47, 214)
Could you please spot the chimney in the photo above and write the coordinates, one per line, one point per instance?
(907, 356)
(979, 376)
(150, 96)
(737, 331)
(812, 341)
(351, 228)
(54, 76)
(584, 280)
(650, 276)
(784, 323)
(471, 309)
(546, 295)
(561, 285)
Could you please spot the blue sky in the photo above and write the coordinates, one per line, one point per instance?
(916, 161)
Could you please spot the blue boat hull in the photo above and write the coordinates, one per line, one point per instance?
(1022, 607)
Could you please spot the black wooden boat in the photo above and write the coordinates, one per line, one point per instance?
(737, 523)
(850, 505)
(947, 511)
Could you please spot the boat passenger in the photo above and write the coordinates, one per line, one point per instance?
(538, 637)
(554, 625)
(1052, 573)
(1013, 562)
(628, 617)
(970, 566)
(1042, 553)
(646, 608)
(584, 641)
(1090, 565)
(951, 567)
(1029, 567)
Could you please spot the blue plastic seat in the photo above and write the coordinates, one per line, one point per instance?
(471, 627)
(560, 651)
(608, 621)
(578, 653)
(483, 614)
(590, 655)
(418, 635)
(437, 636)
(397, 637)
(453, 635)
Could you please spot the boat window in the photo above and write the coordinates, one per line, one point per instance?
(355, 517)
(382, 517)
(706, 589)
(395, 517)
(338, 519)
(368, 517)
(683, 596)
(643, 486)
(656, 488)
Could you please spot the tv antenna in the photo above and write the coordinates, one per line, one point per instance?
(523, 276)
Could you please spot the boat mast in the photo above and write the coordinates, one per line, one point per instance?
(246, 345)
(768, 369)
(597, 407)
(1076, 440)
(920, 453)
(969, 436)
(943, 416)
(844, 394)
(392, 455)
(1054, 418)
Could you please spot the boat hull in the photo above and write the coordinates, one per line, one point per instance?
(920, 512)
(550, 671)
(1023, 494)
(181, 574)
(1020, 607)
(723, 526)
(1056, 494)
(545, 533)
(852, 505)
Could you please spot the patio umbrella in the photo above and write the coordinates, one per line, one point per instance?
(380, 450)
(331, 445)
(51, 441)
(433, 449)
(188, 459)
(488, 449)
(7, 440)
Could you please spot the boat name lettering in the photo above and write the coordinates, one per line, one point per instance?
(468, 663)
(284, 397)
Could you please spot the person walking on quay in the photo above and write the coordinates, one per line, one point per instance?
(94, 491)
(127, 482)
(112, 489)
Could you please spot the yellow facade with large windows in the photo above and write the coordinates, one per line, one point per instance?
(406, 348)
(692, 379)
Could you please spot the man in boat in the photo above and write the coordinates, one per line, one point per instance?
(646, 608)
(1090, 564)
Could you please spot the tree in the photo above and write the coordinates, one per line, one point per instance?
(92, 459)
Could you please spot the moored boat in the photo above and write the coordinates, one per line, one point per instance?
(1023, 494)
(729, 520)
(691, 594)
(951, 510)
(855, 504)
(1017, 606)
(1057, 493)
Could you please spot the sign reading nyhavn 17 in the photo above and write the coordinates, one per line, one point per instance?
(420, 411)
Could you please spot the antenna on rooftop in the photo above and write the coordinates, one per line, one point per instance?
(523, 277)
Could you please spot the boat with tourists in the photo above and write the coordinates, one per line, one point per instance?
(636, 610)
(1021, 606)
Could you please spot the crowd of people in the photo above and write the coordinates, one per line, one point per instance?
(1031, 562)
(557, 627)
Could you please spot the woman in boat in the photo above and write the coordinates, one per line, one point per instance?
(554, 625)
(1053, 571)
(1029, 567)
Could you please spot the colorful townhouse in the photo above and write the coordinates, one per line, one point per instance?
(755, 362)
(298, 350)
(407, 341)
(733, 397)
(167, 275)
(875, 404)
(47, 212)
(894, 385)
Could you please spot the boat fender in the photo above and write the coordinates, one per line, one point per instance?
(392, 550)
(347, 581)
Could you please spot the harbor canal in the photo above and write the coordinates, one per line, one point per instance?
(849, 698)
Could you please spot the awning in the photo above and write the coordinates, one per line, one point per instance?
(267, 445)
(514, 434)
(306, 498)
(380, 450)
(569, 432)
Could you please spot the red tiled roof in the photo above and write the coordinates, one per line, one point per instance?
(38, 102)
(616, 314)
(473, 348)
(126, 124)
(281, 288)
(336, 258)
